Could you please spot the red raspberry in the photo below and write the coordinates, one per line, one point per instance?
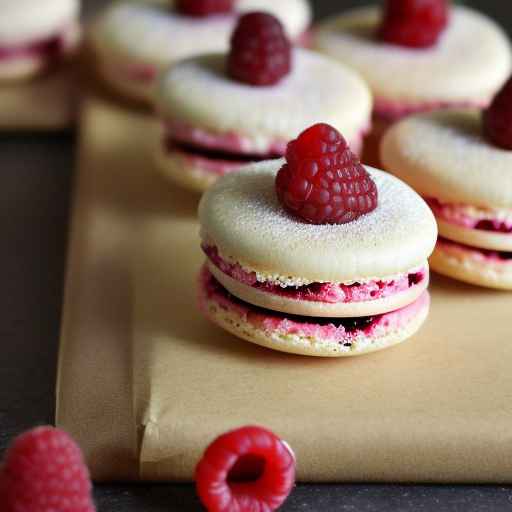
(260, 50)
(414, 23)
(204, 7)
(43, 472)
(323, 181)
(247, 469)
(497, 118)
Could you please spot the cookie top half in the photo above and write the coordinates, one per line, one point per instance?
(444, 155)
(469, 63)
(242, 217)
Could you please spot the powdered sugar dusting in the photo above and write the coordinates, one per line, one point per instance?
(244, 219)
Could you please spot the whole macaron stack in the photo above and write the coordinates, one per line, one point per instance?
(317, 255)
(35, 35)
(418, 55)
(136, 40)
(461, 162)
(220, 112)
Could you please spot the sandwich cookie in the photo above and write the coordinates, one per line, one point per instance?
(135, 41)
(222, 111)
(419, 55)
(316, 255)
(35, 35)
(461, 162)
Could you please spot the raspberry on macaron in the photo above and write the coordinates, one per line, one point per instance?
(414, 23)
(246, 469)
(201, 8)
(44, 471)
(261, 53)
(497, 118)
(322, 181)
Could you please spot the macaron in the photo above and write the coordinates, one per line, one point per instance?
(215, 119)
(465, 178)
(34, 36)
(135, 41)
(459, 58)
(341, 272)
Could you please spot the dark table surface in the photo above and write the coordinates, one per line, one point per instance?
(35, 185)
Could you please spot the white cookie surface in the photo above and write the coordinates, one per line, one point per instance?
(152, 32)
(444, 155)
(23, 21)
(199, 93)
(470, 62)
(243, 218)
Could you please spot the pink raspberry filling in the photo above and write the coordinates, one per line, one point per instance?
(504, 257)
(455, 214)
(392, 111)
(227, 152)
(340, 330)
(331, 293)
(49, 48)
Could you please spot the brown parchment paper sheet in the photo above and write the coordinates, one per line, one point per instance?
(48, 102)
(435, 409)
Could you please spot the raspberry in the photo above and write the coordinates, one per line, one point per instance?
(414, 23)
(260, 50)
(204, 7)
(44, 472)
(323, 181)
(497, 118)
(245, 470)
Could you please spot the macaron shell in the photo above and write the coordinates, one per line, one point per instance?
(152, 31)
(444, 155)
(242, 217)
(282, 304)
(466, 265)
(22, 21)
(183, 171)
(198, 92)
(475, 237)
(232, 321)
(28, 66)
(415, 76)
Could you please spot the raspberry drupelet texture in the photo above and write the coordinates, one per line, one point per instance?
(497, 118)
(322, 181)
(260, 53)
(414, 23)
(204, 7)
(43, 471)
(247, 469)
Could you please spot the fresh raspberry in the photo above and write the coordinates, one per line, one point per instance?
(497, 118)
(247, 469)
(204, 7)
(260, 50)
(44, 471)
(414, 23)
(323, 181)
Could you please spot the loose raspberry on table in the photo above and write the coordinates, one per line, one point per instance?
(245, 470)
(322, 181)
(43, 471)
(204, 7)
(261, 53)
(497, 118)
(414, 23)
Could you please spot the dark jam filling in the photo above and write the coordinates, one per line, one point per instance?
(495, 226)
(194, 150)
(51, 47)
(502, 255)
(350, 325)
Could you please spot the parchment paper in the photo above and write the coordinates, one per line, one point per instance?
(48, 102)
(155, 383)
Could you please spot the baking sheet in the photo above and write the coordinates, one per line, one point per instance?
(145, 377)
